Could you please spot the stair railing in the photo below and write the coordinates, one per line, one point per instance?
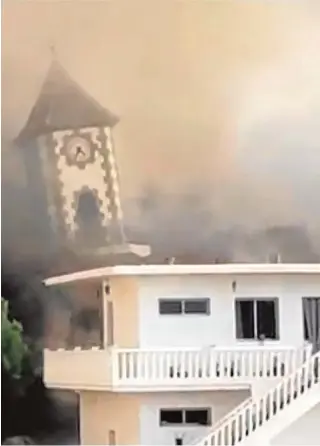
(245, 421)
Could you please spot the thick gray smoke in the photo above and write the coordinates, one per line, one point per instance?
(222, 108)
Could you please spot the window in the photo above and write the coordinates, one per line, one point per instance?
(311, 319)
(184, 306)
(257, 318)
(171, 417)
(167, 306)
(194, 417)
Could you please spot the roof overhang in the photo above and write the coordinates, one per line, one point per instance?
(172, 270)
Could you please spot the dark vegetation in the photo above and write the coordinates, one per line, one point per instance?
(28, 407)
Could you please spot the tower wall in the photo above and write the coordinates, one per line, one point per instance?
(66, 181)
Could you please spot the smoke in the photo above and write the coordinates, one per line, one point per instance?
(223, 106)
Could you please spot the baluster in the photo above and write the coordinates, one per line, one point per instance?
(174, 364)
(169, 364)
(272, 365)
(236, 430)
(294, 361)
(201, 368)
(258, 361)
(123, 365)
(260, 412)
(140, 374)
(182, 364)
(292, 388)
(222, 363)
(220, 437)
(163, 367)
(286, 362)
(146, 361)
(212, 364)
(196, 365)
(153, 365)
(225, 435)
(280, 396)
(236, 364)
(243, 426)
(298, 385)
(249, 420)
(190, 362)
(278, 363)
(264, 372)
(313, 367)
(229, 433)
(250, 365)
(244, 365)
(227, 364)
(274, 362)
(131, 365)
(205, 364)
(305, 376)
(316, 368)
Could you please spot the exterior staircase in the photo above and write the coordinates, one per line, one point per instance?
(257, 421)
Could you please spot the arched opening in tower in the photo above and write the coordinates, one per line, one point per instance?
(89, 219)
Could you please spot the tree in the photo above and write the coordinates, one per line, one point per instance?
(14, 352)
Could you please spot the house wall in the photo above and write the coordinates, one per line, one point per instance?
(305, 431)
(101, 412)
(124, 293)
(135, 417)
(218, 328)
(151, 433)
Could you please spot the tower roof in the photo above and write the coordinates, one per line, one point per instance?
(63, 104)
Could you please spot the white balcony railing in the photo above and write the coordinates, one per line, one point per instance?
(118, 369)
(208, 365)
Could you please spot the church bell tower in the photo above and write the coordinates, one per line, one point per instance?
(70, 163)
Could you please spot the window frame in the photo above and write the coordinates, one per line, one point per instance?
(184, 411)
(183, 301)
(275, 300)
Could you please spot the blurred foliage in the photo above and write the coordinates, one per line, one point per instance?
(14, 352)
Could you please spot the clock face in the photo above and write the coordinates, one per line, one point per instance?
(79, 150)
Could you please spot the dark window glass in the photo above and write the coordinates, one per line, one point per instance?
(311, 317)
(170, 306)
(197, 306)
(266, 319)
(197, 416)
(245, 319)
(169, 416)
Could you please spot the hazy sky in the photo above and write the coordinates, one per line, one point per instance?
(222, 93)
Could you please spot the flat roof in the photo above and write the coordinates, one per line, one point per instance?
(171, 270)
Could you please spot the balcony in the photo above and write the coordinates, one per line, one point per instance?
(78, 369)
(168, 369)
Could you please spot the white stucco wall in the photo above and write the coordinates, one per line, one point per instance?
(151, 433)
(218, 328)
(305, 431)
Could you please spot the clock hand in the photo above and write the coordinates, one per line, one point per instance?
(79, 151)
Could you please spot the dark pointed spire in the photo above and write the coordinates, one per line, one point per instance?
(63, 104)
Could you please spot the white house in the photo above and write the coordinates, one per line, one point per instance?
(197, 354)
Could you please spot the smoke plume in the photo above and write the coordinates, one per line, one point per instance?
(225, 101)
